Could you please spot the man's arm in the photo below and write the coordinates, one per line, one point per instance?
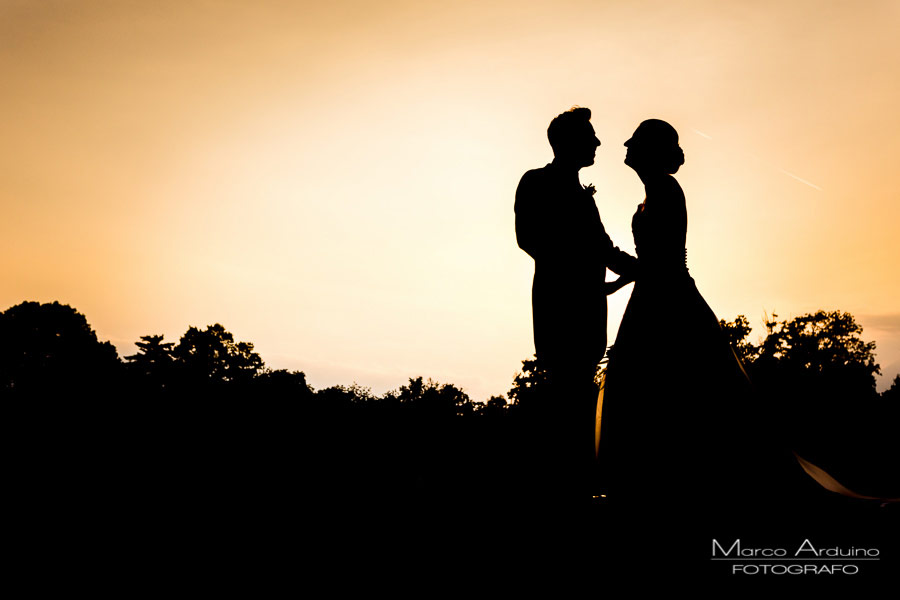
(611, 287)
(621, 263)
(616, 260)
(528, 215)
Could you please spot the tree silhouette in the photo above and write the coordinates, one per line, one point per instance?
(815, 378)
(51, 348)
(529, 386)
(153, 364)
(345, 396)
(432, 399)
(821, 356)
(212, 356)
(821, 352)
(892, 394)
(282, 383)
(495, 407)
(736, 332)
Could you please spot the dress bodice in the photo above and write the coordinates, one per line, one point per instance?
(659, 227)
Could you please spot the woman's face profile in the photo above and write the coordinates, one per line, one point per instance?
(648, 147)
(633, 148)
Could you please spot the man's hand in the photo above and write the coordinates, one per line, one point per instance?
(611, 287)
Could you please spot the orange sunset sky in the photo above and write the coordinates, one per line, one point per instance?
(334, 181)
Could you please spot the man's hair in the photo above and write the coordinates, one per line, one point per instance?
(561, 129)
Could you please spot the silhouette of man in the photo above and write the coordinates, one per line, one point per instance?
(558, 225)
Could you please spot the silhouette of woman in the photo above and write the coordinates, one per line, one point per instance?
(688, 450)
(677, 427)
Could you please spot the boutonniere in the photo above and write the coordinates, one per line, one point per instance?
(590, 189)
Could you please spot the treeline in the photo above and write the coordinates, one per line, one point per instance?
(204, 418)
(50, 351)
(209, 409)
(49, 348)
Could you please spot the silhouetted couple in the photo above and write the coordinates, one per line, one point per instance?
(677, 429)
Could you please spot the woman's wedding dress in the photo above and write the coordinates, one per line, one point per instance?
(678, 426)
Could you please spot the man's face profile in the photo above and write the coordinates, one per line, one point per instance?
(584, 144)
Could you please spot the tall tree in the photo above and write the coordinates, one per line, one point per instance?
(51, 348)
(212, 356)
(820, 355)
(736, 332)
(153, 363)
(529, 386)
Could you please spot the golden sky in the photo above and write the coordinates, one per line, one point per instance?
(334, 181)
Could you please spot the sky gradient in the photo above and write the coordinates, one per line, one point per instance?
(335, 183)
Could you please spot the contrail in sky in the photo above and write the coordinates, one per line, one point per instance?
(788, 173)
(801, 180)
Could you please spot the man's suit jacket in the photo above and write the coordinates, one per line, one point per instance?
(558, 225)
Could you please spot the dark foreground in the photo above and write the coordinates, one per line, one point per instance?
(123, 500)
